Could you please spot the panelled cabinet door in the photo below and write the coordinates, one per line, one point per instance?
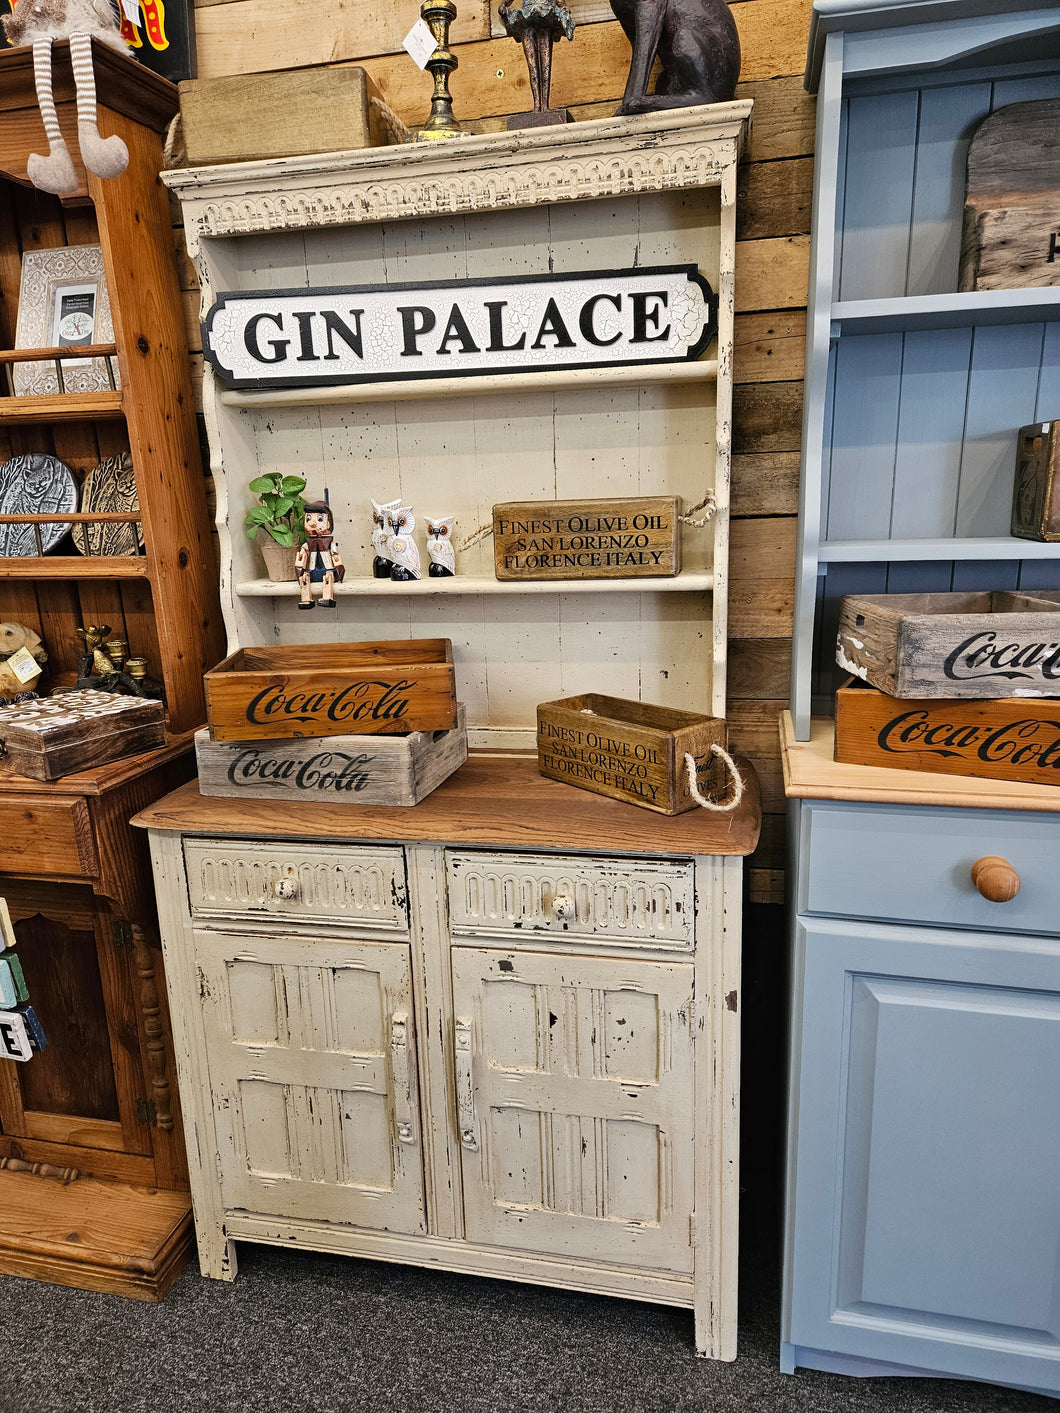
(312, 1061)
(927, 1219)
(575, 1104)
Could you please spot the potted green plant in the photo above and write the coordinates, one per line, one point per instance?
(275, 524)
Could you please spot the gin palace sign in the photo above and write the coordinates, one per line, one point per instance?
(383, 333)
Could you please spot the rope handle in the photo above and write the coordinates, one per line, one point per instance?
(738, 783)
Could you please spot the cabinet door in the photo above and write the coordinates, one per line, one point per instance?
(311, 1055)
(927, 1203)
(575, 1104)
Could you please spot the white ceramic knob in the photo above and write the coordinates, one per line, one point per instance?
(286, 888)
(562, 908)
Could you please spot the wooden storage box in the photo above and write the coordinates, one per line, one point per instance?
(74, 731)
(247, 117)
(630, 750)
(1036, 492)
(342, 770)
(333, 689)
(1005, 738)
(952, 645)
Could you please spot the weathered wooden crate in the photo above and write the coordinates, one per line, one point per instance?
(293, 113)
(344, 770)
(1036, 492)
(630, 750)
(74, 731)
(1011, 228)
(1004, 738)
(617, 538)
(333, 689)
(952, 645)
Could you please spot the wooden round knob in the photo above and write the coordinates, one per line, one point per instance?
(996, 879)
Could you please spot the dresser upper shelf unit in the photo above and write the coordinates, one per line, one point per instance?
(978, 308)
(689, 582)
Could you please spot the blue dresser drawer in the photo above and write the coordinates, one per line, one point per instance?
(905, 864)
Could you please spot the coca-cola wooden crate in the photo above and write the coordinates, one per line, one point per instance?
(630, 750)
(344, 770)
(1005, 738)
(72, 731)
(952, 645)
(333, 689)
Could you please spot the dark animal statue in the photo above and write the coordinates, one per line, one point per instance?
(697, 43)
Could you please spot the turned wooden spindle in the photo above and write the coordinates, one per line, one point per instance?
(995, 879)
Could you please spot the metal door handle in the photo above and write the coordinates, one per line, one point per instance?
(404, 1115)
(465, 1094)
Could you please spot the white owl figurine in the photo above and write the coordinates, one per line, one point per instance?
(402, 548)
(440, 549)
(381, 565)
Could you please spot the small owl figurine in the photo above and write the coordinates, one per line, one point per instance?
(402, 548)
(440, 549)
(381, 564)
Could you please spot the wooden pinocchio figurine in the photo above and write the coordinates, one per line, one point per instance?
(318, 561)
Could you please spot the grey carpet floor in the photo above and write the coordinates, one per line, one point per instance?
(301, 1331)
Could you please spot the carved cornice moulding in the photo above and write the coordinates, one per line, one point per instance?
(497, 171)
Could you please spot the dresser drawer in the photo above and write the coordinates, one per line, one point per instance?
(633, 903)
(363, 887)
(47, 838)
(914, 865)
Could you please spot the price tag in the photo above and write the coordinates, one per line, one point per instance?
(24, 665)
(419, 42)
(131, 11)
(12, 983)
(14, 1038)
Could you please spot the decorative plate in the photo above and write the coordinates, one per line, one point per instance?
(34, 485)
(110, 487)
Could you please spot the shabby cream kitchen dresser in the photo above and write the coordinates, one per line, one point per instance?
(499, 1032)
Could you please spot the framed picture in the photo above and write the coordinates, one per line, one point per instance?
(63, 302)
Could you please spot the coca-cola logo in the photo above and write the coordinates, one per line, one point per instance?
(328, 771)
(359, 701)
(1027, 741)
(983, 655)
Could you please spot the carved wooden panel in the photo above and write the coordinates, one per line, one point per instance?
(365, 887)
(575, 1105)
(630, 902)
(311, 1052)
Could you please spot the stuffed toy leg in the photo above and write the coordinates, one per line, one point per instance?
(103, 156)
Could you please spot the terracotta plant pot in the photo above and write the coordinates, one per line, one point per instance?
(279, 560)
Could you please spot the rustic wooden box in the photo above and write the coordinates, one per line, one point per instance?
(74, 731)
(342, 770)
(952, 645)
(630, 750)
(333, 689)
(1012, 202)
(618, 538)
(1005, 738)
(246, 117)
(1036, 492)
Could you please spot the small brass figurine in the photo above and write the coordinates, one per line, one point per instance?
(318, 560)
(106, 666)
(439, 15)
(536, 27)
(695, 40)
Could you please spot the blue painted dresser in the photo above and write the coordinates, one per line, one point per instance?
(922, 1231)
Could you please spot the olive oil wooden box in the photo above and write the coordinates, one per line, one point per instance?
(341, 770)
(73, 731)
(630, 750)
(333, 689)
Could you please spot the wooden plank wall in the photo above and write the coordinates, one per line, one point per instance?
(773, 223)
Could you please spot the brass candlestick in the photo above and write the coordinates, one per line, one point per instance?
(439, 15)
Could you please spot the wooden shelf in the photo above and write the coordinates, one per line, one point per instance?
(945, 311)
(639, 375)
(71, 567)
(61, 407)
(893, 551)
(692, 582)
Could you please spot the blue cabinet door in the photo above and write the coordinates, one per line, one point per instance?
(924, 1211)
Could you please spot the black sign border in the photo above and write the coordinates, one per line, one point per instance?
(343, 379)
